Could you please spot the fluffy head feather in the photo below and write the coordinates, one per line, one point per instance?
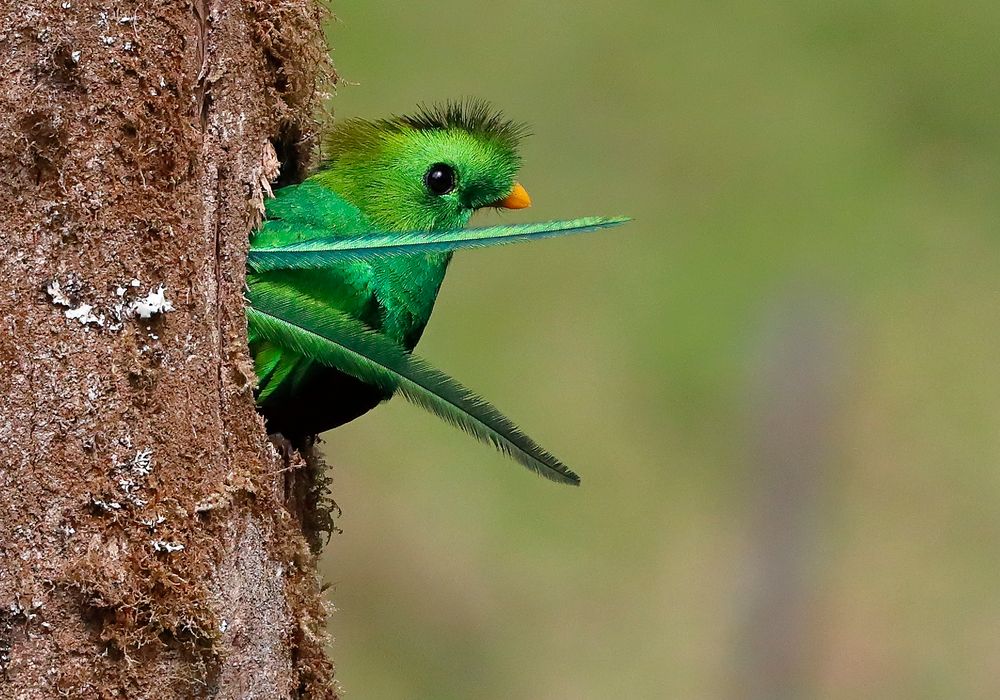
(381, 166)
(474, 116)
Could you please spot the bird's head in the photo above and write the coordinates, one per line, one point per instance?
(432, 170)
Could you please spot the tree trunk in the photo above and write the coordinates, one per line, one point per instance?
(152, 542)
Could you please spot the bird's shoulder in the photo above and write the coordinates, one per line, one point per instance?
(306, 211)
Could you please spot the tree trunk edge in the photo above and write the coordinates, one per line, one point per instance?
(154, 544)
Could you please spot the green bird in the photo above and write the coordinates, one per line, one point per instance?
(344, 272)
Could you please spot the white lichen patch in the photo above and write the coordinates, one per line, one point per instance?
(153, 303)
(124, 304)
(105, 506)
(129, 476)
(56, 293)
(142, 463)
(166, 547)
(129, 487)
(153, 522)
(84, 314)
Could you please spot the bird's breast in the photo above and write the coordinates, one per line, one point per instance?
(406, 289)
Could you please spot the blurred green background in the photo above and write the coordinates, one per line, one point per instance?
(780, 383)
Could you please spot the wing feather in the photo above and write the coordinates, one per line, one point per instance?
(319, 333)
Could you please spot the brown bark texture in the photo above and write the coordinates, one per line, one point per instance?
(152, 542)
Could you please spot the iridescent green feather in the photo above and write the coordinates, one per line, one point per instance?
(314, 331)
(317, 253)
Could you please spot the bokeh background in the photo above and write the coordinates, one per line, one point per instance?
(781, 383)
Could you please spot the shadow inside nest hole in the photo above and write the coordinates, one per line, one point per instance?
(293, 149)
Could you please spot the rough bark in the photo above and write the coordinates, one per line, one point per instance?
(152, 542)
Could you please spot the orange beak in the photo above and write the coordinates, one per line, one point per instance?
(517, 199)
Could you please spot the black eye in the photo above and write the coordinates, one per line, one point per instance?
(440, 179)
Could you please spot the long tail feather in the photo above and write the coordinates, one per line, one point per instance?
(337, 340)
(323, 252)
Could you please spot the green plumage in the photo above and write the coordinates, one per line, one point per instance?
(344, 272)
(319, 252)
(312, 329)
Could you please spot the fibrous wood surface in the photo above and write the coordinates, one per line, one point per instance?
(152, 542)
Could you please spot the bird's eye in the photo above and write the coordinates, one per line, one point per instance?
(440, 179)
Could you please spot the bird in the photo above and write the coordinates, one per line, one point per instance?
(344, 271)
